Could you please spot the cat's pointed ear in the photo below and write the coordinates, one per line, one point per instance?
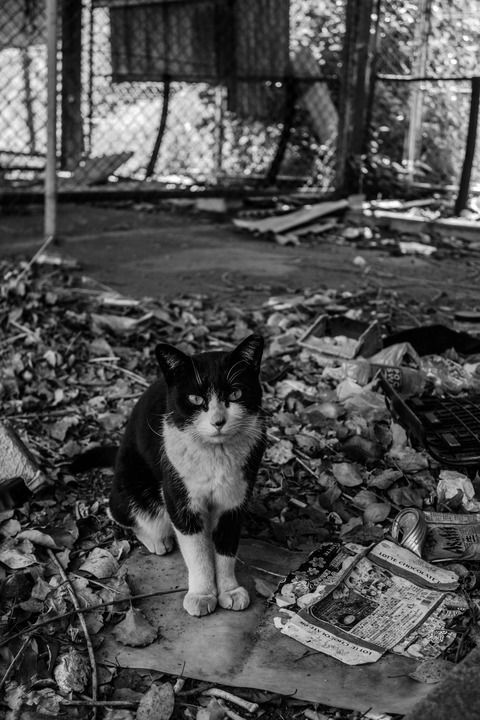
(170, 359)
(249, 352)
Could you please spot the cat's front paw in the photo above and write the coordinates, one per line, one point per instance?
(236, 599)
(197, 605)
(158, 546)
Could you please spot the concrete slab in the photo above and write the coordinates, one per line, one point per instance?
(163, 253)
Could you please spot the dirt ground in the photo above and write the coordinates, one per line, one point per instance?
(163, 253)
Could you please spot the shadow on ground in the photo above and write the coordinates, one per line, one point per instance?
(165, 253)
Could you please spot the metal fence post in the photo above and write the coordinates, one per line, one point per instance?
(50, 210)
(462, 198)
(356, 73)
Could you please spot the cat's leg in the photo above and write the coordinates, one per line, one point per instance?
(154, 531)
(136, 504)
(197, 552)
(226, 535)
(195, 543)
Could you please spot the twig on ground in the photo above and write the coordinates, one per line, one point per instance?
(195, 691)
(128, 373)
(14, 661)
(83, 625)
(40, 250)
(124, 704)
(56, 618)
(13, 338)
(24, 330)
(224, 695)
(44, 413)
(230, 713)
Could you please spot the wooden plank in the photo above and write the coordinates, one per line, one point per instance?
(290, 221)
(245, 649)
(95, 170)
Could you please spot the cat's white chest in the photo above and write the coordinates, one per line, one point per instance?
(213, 474)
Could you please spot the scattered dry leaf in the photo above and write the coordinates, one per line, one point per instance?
(347, 474)
(135, 630)
(100, 563)
(158, 703)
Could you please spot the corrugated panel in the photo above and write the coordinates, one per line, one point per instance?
(201, 40)
(262, 31)
(158, 39)
(262, 37)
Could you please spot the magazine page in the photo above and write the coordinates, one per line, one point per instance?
(373, 607)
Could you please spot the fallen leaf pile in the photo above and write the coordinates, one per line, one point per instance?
(75, 357)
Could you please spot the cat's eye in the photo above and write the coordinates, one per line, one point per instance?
(196, 399)
(235, 395)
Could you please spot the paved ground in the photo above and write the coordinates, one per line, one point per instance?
(142, 253)
(163, 253)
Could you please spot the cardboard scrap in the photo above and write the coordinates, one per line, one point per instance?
(283, 223)
(245, 649)
(17, 461)
(342, 337)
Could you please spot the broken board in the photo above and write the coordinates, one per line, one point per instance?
(244, 649)
(283, 223)
(94, 170)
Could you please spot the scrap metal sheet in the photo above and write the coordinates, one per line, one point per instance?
(244, 649)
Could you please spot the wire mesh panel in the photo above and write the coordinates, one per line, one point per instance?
(222, 69)
(427, 52)
(185, 93)
(22, 90)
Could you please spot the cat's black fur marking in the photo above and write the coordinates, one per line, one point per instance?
(95, 457)
(198, 460)
(226, 535)
(176, 501)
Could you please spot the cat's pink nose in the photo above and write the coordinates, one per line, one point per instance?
(219, 422)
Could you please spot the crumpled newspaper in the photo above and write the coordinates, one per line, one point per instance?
(451, 482)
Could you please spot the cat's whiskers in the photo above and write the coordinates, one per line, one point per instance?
(231, 374)
(155, 432)
(198, 379)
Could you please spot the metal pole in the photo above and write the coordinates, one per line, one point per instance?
(50, 217)
(464, 189)
(422, 33)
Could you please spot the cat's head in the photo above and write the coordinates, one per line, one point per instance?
(215, 395)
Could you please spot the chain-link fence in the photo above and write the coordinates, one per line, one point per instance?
(427, 51)
(175, 92)
(225, 93)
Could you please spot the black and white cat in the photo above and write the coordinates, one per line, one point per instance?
(187, 464)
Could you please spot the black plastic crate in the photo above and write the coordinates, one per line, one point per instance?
(449, 428)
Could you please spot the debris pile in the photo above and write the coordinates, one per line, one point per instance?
(417, 227)
(339, 467)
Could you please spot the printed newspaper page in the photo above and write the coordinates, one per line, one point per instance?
(452, 536)
(355, 604)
